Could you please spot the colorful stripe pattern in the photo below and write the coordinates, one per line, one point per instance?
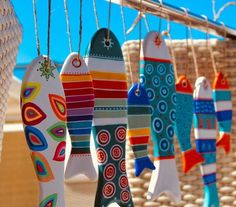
(223, 107)
(183, 124)
(205, 138)
(139, 120)
(105, 61)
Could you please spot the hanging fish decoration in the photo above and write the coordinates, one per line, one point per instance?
(223, 107)
(44, 117)
(205, 138)
(139, 120)
(157, 76)
(106, 64)
(183, 124)
(78, 87)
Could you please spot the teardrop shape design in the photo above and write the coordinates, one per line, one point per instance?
(42, 167)
(35, 139)
(32, 114)
(29, 91)
(49, 201)
(57, 131)
(58, 105)
(60, 152)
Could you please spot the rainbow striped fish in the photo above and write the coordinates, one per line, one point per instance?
(205, 138)
(139, 120)
(79, 93)
(106, 64)
(183, 124)
(223, 107)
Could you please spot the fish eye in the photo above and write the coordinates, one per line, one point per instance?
(184, 83)
(76, 62)
(137, 92)
(223, 81)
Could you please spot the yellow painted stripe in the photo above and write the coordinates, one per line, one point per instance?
(75, 77)
(108, 76)
(138, 132)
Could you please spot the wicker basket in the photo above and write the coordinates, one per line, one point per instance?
(191, 183)
(10, 38)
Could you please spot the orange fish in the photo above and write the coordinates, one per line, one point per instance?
(223, 109)
(183, 125)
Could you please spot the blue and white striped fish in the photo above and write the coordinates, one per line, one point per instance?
(205, 137)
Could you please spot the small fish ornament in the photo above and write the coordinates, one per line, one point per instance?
(205, 138)
(106, 64)
(43, 110)
(157, 76)
(139, 120)
(183, 124)
(223, 108)
(78, 87)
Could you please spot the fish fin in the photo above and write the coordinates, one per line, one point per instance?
(211, 198)
(80, 164)
(190, 158)
(224, 141)
(164, 180)
(142, 163)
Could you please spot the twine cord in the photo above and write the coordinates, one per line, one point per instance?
(125, 38)
(36, 27)
(80, 27)
(49, 28)
(187, 65)
(68, 25)
(109, 22)
(96, 14)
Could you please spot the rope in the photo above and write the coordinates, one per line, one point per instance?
(68, 25)
(80, 27)
(125, 38)
(36, 27)
(187, 65)
(109, 21)
(49, 28)
(96, 14)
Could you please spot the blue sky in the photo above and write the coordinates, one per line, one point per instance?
(59, 39)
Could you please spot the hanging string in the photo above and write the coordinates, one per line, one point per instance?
(140, 44)
(109, 22)
(80, 27)
(36, 28)
(68, 25)
(187, 65)
(96, 14)
(146, 23)
(160, 19)
(224, 47)
(49, 28)
(125, 38)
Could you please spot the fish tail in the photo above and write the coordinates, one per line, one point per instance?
(211, 198)
(190, 158)
(142, 163)
(224, 142)
(80, 164)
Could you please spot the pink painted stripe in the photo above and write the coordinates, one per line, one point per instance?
(80, 112)
(80, 98)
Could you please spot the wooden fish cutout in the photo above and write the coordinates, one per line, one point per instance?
(78, 87)
(44, 117)
(183, 124)
(157, 76)
(205, 138)
(223, 106)
(106, 64)
(139, 120)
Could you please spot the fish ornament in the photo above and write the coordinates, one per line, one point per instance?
(157, 76)
(223, 108)
(139, 120)
(106, 65)
(183, 124)
(43, 111)
(78, 88)
(205, 138)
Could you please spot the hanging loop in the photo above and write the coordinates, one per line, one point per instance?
(36, 27)
(68, 25)
(80, 27)
(209, 47)
(96, 14)
(49, 29)
(109, 23)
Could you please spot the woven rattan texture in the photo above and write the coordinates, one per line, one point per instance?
(10, 37)
(191, 183)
